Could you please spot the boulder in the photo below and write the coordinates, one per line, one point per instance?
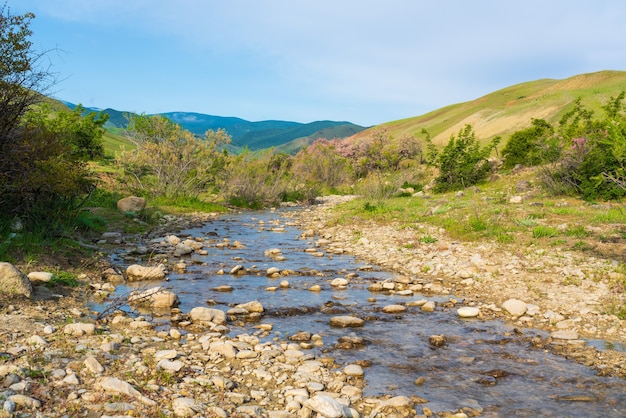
(156, 297)
(202, 314)
(135, 272)
(515, 307)
(13, 282)
(131, 204)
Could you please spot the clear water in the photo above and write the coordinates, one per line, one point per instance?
(538, 383)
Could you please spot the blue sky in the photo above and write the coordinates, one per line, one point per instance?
(363, 61)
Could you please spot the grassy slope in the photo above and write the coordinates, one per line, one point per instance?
(511, 109)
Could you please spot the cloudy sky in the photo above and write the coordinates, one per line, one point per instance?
(363, 61)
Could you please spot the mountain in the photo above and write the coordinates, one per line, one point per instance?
(510, 109)
(246, 134)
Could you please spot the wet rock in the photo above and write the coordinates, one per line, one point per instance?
(399, 406)
(394, 309)
(301, 336)
(515, 307)
(156, 297)
(353, 370)
(135, 272)
(339, 282)
(345, 321)
(487, 381)
(252, 307)
(13, 282)
(203, 314)
(428, 306)
(468, 312)
(437, 340)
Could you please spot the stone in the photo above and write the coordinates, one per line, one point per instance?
(325, 406)
(394, 309)
(353, 370)
(13, 282)
(397, 406)
(111, 237)
(118, 386)
(203, 314)
(132, 204)
(40, 276)
(165, 354)
(170, 366)
(468, 312)
(429, 306)
(135, 272)
(223, 348)
(345, 321)
(564, 334)
(185, 407)
(78, 329)
(93, 365)
(156, 297)
(339, 282)
(437, 340)
(254, 306)
(515, 307)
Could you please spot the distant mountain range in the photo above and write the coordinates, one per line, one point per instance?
(284, 135)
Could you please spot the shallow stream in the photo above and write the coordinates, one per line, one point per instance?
(485, 365)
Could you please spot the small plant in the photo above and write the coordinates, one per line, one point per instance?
(64, 278)
(526, 222)
(427, 239)
(542, 231)
(368, 207)
(578, 232)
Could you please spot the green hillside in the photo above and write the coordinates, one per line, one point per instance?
(510, 109)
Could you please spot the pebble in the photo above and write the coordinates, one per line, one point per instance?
(468, 312)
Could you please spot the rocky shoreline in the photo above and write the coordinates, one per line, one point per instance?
(57, 360)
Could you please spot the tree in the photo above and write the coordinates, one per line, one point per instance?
(530, 146)
(463, 162)
(169, 160)
(22, 79)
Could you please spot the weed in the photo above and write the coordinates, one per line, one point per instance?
(427, 239)
(368, 207)
(542, 231)
(577, 232)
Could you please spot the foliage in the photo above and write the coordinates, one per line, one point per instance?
(463, 162)
(22, 79)
(530, 146)
(254, 181)
(592, 160)
(170, 161)
(321, 166)
(81, 134)
(43, 176)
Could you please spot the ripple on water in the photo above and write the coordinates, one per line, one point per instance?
(483, 365)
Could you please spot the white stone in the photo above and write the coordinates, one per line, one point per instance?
(325, 406)
(185, 407)
(204, 314)
(515, 307)
(468, 312)
(353, 370)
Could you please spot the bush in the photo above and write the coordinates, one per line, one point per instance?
(530, 146)
(463, 162)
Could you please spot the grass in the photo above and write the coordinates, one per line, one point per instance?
(487, 215)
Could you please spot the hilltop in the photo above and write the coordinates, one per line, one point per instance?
(511, 109)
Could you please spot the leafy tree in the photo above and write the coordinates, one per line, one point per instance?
(530, 146)
(463, 162)
(321, 166)
(43, 176)
(81, 133)
(592, 153)
(169, 160)
(257, 180)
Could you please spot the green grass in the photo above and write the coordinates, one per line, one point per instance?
(541, 231)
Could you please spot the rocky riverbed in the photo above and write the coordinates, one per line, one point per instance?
(59, 359)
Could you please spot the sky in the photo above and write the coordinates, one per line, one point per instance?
(363, 61)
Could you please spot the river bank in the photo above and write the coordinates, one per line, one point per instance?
(59, 361)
